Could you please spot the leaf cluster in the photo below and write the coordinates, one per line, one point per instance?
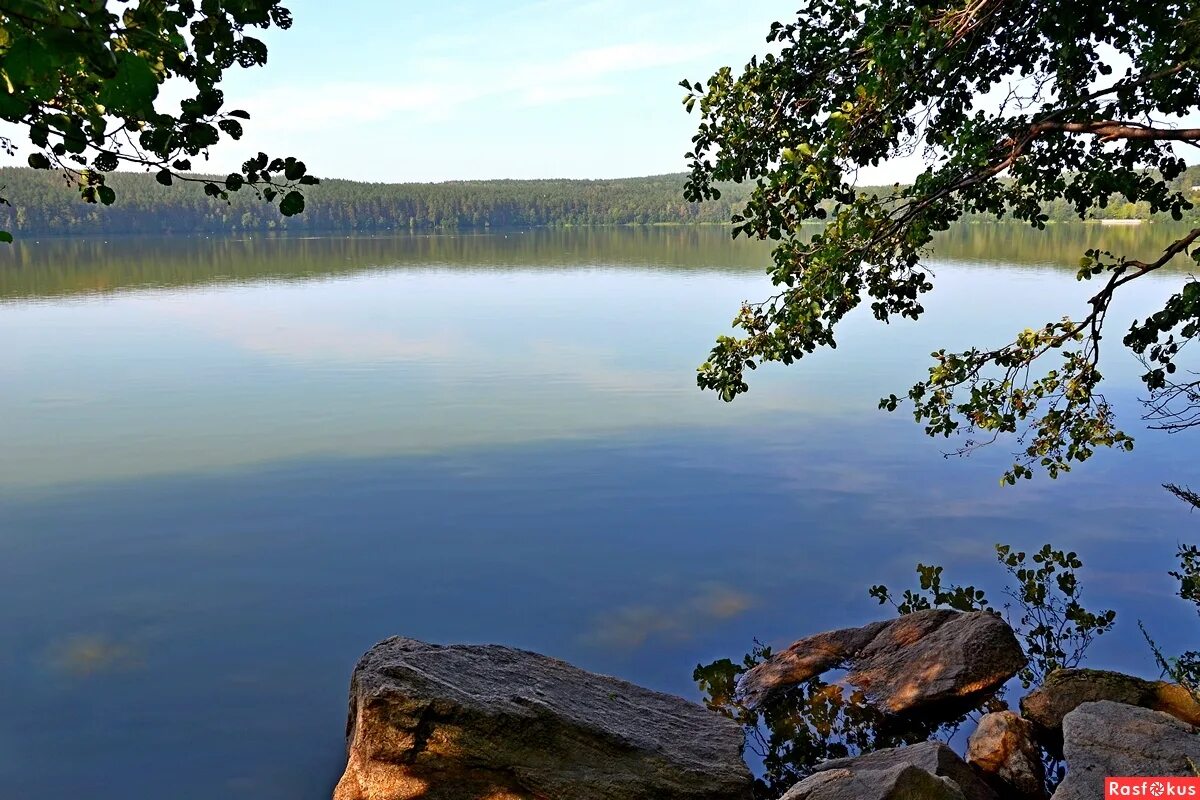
(82, 77)
(1016, 111)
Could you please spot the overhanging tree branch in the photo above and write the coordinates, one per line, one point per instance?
(854, 85)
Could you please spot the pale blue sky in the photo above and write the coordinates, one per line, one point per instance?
(402, 91)
(383, 91)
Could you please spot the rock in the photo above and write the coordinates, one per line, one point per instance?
(917, 661)
(806, 658)
(466, 722)
(929, 770)
(1103, 739)
(1064, 690)
(935, 758)
(899, 783)
(1003, 748)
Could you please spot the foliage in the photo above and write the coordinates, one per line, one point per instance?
(1016, 110)
(1054, 626)
(1184, 669)
(794, 730)
(1184, 493)
(82, 78)
(959, 598)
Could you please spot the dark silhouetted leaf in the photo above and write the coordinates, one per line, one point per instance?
(291, 204)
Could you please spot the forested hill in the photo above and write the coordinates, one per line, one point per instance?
(44, 204)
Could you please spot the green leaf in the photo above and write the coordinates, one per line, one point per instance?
(200, 135)
(293, 170)
(291, 204)
(105, 161)
(132, 89)
(231, 127)
(6, 237)
(30, 65)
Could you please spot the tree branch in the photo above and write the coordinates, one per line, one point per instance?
(1113, 129)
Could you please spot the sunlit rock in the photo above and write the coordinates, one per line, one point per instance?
(475, 722)
(1003, 748)
(1065, 690)
(915, 662)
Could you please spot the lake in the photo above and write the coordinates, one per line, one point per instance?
(231, 466)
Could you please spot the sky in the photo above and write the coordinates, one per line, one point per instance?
(402, 91)
(383, 91)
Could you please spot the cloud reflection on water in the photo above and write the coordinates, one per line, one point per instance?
(633, 626)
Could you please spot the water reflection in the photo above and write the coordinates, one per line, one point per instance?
(71, 266)
(1059, 246)
(79, 266)
(231, 467)
(633, 626)
(600, 333)
(89, 654)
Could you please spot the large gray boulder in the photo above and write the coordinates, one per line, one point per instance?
(926, 771)
(1064, 690)
(1104, 739)
(474, 722)
(912, 663)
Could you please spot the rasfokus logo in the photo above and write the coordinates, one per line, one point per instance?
(1151, 787)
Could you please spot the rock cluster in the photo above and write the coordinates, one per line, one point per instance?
(493, 723)
(1065, 690)
(1100, 738)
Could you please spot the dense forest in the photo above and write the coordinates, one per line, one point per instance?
(47, 203)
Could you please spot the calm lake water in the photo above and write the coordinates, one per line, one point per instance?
(231, 466)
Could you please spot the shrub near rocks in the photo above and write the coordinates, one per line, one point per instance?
(794, 720)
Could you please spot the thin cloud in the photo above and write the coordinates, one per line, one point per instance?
(576, 76)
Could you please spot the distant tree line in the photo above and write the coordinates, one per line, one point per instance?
(1117, 207)
(47, 203)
